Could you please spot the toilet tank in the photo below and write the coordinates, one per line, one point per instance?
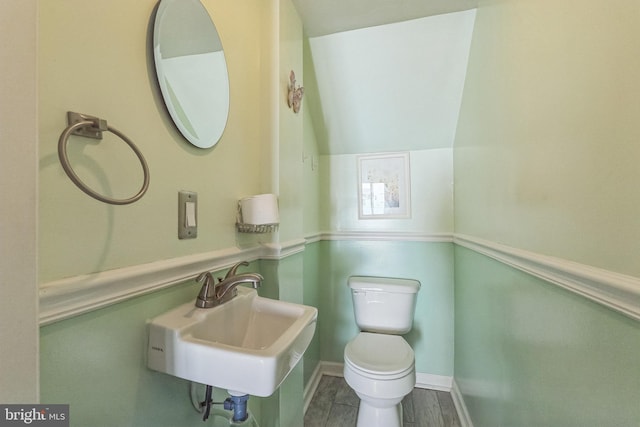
(383, 304)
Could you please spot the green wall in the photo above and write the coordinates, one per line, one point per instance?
(545, 160)
(531, 354)
(430, 263)
(312, 265)
(96, 363)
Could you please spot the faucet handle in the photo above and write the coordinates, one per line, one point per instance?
(207, 291)
(232, 271)
(203, 277)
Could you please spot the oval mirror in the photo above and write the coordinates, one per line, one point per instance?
(191, 70)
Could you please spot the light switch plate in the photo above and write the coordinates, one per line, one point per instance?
(187, 221)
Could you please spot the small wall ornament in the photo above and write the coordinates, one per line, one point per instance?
(295, 93)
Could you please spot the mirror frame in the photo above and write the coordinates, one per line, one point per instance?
(196, 109)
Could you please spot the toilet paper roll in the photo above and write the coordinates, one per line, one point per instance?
(259, 210)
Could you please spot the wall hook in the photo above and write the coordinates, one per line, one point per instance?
(295, 93)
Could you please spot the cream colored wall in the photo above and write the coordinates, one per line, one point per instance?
(19, 376)
(311, 153)
(98, 62)
(290, 183)
(431, 194)
(547, 148)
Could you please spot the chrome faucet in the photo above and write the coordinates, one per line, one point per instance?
(212, 295)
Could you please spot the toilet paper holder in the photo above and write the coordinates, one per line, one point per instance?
(253, 228)
(258, 214)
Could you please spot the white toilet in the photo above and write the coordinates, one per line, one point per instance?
(378, 363)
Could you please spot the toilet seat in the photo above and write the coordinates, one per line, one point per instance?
(379, 356)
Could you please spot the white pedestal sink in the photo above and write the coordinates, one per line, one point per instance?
(247, 345)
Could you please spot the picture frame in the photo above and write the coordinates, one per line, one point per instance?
(384, 186)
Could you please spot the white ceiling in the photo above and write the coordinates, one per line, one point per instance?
(321, 17)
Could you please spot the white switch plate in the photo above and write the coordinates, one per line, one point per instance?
(187, 217)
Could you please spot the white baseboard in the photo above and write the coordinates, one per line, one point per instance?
(311, 387)
(331, 369)
(461, 408)
(324, 368)
(434, 382)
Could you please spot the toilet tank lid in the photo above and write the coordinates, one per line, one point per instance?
(384, 284)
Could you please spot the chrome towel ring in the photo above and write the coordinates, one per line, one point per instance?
(92, 127)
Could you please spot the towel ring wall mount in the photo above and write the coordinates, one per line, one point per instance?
(93, 127)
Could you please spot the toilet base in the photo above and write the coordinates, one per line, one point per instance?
(380, 400)
(374, 416)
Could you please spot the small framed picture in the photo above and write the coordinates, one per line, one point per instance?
(384, 186)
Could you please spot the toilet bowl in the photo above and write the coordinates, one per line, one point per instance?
(379, 365)
(380, 378)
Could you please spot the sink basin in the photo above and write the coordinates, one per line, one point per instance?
(247, 345)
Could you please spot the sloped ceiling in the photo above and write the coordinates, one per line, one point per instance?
(393, 87)
(322, 17)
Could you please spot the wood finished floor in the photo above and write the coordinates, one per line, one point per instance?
(334, 404)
